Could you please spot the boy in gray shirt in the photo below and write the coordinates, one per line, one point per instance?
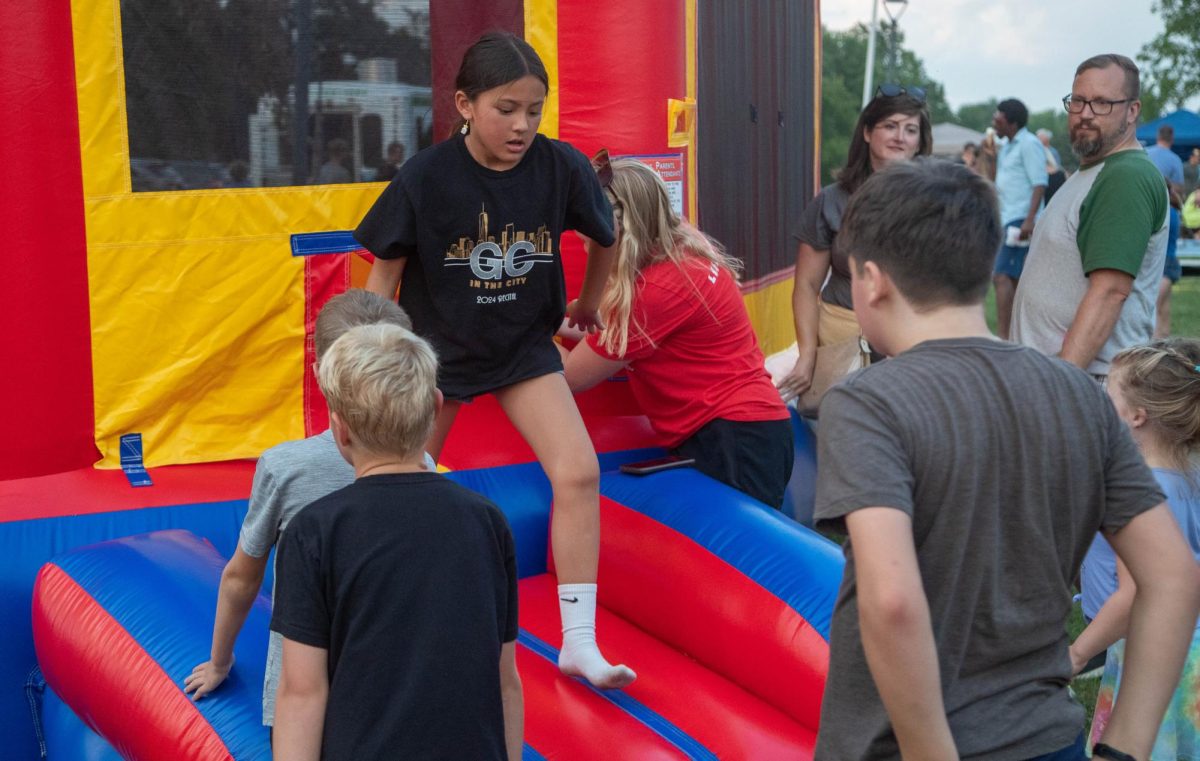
(970, 475)
(288, 477)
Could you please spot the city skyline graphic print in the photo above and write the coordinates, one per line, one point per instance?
(504, 262)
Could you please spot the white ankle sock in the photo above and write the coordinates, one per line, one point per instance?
(579, 655)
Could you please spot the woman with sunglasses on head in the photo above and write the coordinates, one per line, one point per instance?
(893, 127)
(673, 313)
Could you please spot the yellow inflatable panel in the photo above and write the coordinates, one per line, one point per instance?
(197, 305)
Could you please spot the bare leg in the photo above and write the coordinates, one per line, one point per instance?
(1162, 325)
(1006, 288)
(544, 412)
(441, 429)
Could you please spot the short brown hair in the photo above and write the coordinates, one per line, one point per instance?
(933, 226)
(1133, 86)
(352, 308)
(1166, 133)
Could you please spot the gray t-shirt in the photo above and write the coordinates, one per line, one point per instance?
(818, 227)
(1108, 215)
(1007, 462)
(288, 478)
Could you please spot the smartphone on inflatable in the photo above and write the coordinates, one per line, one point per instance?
(646, 467)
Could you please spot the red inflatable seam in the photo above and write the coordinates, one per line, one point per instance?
(73, 634)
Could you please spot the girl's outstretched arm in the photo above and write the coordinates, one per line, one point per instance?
(584, 312)
(385, 277)
(585, 368)
(1110, 624)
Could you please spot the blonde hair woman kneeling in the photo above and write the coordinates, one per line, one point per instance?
(674, 316)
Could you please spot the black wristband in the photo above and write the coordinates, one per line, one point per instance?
(1102, 750)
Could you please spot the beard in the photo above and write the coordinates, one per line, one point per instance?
(1089, 141)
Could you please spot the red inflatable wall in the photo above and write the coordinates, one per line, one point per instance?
(619, 62)
(45, 342)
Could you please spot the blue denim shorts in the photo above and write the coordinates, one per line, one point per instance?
(1172, 270)
(1010, 260)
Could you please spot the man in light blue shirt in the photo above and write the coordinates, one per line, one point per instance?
(1021, 181)
(1167, 161)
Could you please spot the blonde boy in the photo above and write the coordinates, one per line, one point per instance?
(397, 595)
(288, 477)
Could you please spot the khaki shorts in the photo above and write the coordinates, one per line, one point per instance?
(835, 324)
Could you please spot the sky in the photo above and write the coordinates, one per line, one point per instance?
(1025, 49)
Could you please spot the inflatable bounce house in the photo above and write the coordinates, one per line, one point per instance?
(179, 180)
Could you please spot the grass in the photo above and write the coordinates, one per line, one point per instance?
(1185, 306)
(1085, 689)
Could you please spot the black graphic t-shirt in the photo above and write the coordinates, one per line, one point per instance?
(483, 281)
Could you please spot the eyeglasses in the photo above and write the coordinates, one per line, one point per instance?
(1100, 106)
(895, 91)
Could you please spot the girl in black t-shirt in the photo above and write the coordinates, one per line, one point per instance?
(473, 225)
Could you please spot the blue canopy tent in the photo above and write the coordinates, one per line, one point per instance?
(1187, 131)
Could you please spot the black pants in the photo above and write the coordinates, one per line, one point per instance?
(752, 457)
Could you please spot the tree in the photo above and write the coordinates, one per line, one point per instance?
(1171, 68)
(196, 69)
(843, 63)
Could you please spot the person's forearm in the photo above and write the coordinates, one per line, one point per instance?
(1093, 324)
(384, 277)
(1161, 625)
(234, 601)
(1110, 624)
(595, 275)
(514, 719)
(898, 641)
(1035, 203)
(299, 725)
(806, 315)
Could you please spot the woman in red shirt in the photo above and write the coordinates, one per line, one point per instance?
(676, 321)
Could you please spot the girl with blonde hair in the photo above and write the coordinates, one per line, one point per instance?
(674, 316)
(1156, 391)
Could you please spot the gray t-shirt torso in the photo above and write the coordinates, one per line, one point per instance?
(289, 477)
(1007, 462)
(1108, 215)
(818, 227)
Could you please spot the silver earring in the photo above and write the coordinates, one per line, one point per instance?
(465, 128)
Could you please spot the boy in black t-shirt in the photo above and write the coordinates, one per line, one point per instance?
(397, 595)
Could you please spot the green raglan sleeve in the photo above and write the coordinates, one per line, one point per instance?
(1126, 205)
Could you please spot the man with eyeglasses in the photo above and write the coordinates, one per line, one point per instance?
(1091, 278)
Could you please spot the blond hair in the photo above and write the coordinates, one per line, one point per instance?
(381, 381)
(1163, 378)
(352, 308)
(650, 232)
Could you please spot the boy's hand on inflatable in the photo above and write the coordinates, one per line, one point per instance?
(205, 678)
(798, 380)
(583, 317)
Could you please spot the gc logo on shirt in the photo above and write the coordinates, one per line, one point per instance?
(511, 257)
(488, 262)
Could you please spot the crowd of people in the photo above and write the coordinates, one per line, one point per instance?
(969, 474)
